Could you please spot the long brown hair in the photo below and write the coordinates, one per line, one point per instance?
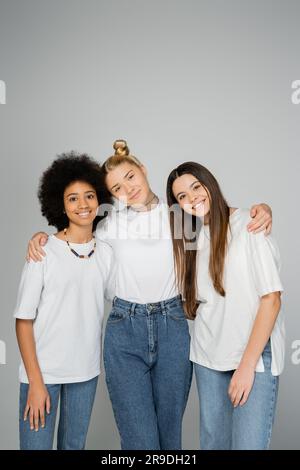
(186, 259)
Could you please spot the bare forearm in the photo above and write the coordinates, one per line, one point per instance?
(263, 326)
(25, 336)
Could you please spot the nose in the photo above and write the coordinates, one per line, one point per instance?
(129, 189)
(82, 203)
(193, 198)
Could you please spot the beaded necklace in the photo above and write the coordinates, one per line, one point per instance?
(75, 252)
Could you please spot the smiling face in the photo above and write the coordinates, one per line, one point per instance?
(191, 195)
(128, 183)
(81, 203)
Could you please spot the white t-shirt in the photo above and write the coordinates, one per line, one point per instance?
(64, 295)
(223, 324)
(143, 250)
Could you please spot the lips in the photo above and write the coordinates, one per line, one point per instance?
(84, 215)
(135, 195)
(199, 205)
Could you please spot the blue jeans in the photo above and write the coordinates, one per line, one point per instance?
(247, 427)
(148, 372)
(76, 403)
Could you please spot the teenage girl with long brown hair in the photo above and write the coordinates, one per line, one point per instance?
(231, 287)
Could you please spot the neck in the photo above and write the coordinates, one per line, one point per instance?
(78, 234)
(206, 219)
(152, 201)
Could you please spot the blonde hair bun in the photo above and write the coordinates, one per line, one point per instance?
(121, 155)
(121, 148)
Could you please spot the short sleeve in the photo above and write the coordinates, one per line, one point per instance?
(102, 230)
(110, 283)
(30, 290)
(265, 263)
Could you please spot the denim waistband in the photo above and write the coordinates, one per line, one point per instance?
(153, 306)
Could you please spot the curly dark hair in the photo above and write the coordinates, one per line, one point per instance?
(66, 169)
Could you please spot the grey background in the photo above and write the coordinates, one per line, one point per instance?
(180, 80)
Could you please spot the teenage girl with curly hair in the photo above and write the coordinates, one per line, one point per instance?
(60, 308)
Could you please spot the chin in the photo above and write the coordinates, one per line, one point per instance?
(138, 202)
(84, 223)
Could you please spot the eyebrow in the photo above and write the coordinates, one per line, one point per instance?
(76, 194)
(182, 192)
(118, 184)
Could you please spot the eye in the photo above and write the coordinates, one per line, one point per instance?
(197, 186)
(181, 197)
(131, 176)
(91, 196)
(72, 199)
(116, 190)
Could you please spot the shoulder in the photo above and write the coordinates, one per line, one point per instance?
(105, 254)
(107, 227)
(257, 242)
(53, 245)
(49, 248)
(238, 221)
(241, 215)
(104, 249)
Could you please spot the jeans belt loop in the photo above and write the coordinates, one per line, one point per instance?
(132, 309)
(163, 308)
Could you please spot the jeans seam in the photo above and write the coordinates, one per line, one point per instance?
(187, 392)
(65, 417)
(111, 400)
(271, 415)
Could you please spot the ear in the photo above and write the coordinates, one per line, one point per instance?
(144, 170)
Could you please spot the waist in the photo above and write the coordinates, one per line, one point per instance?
(153, 307)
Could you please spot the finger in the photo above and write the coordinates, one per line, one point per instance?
(245, 397)
(39, 249)
(31, 419)
(42, 418)
(238, 398)
(232, 393)
(26, 412)
(268, 229)
(43, 240)
(36, 420)
(257, 222)
(48, 404)
(261, 228)
(32, 252)
(253, 211)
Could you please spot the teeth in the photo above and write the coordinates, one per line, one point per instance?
(83, 214)
(199, 204)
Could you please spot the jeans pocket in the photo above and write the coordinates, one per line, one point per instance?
(177, 313)
(116, 316)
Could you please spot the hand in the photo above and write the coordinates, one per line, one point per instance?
(241, 384)
(262, 219)
(34, 250)
(38, 399)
